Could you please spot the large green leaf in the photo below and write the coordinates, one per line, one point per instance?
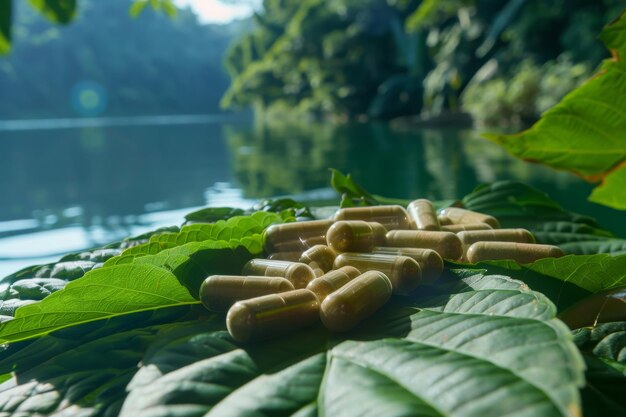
(585, 132)
(169, 279)
(566, 280)
(6, 14)
(101, 294)
(467, 351)
(60, 11)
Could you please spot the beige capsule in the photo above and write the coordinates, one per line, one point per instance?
(355, 301)
(498, 235)
(297, 273)
(463, 216)
(403, 272)
(446, 244)
(285, 256)
(219, 292)
(296, 236)
(320, 255)
(332, 281)
(431, 264)
(457, 228)
(353, 235)
(380, 233)
(423, 215)
(522, 253)
(391, 217)
(270, 315)
(444, 220)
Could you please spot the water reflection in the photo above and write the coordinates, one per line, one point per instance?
(281, 158)
(103, 181)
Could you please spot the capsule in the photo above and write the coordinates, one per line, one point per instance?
(444, 220)
(603, 307)
(352, 235)
(429, 260)
(498, 235)
(285, 256)
(522, 253)
(380, 233)
(299, 245)
(391, 217)
(355, 301)
(446, 244)
(219, 292)
(332, 281)
(320, 257)
(423, 215)
(403, 272)
(457, 228)
(269, 315)
(296, 236)
(463, 216)
(297, 273)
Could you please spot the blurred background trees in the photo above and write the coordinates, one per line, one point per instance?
(502, 61)
(505, 60)
(151, 64)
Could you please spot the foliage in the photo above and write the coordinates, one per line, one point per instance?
(308, 56)
(127, 337)
(169, 76)
(584, 132)
(532, 90)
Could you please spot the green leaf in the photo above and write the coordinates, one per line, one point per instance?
(584, 132)
(58, 11)
(212, 214)
(467, 351)
(103, 293)
(81, 371)
(566, 280)
(169, 8)
(612, 191)
(137, 8)
(614, 36)
(6, 14)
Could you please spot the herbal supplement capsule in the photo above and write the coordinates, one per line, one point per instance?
(295, 236)
(380, 233)
(262, 317)
(318, 272)
(352, 235)
(285, 256)
(332, 281)
(355, 301)
(392, 217)
(462, 216)
(431, 264)
(219, 292)
(446, 244)
(403, 272)
(297, 273)
(456, 228)
(522, 253)
(498, 235)
(299, 245)
(444, 220)
(321, 255)
(423, 215)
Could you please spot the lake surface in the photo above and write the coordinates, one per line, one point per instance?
(67, 185)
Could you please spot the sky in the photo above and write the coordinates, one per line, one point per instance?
(216, 11)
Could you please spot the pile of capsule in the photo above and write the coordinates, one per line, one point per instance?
(343, 270)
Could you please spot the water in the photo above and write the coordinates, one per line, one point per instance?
(73, 184)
